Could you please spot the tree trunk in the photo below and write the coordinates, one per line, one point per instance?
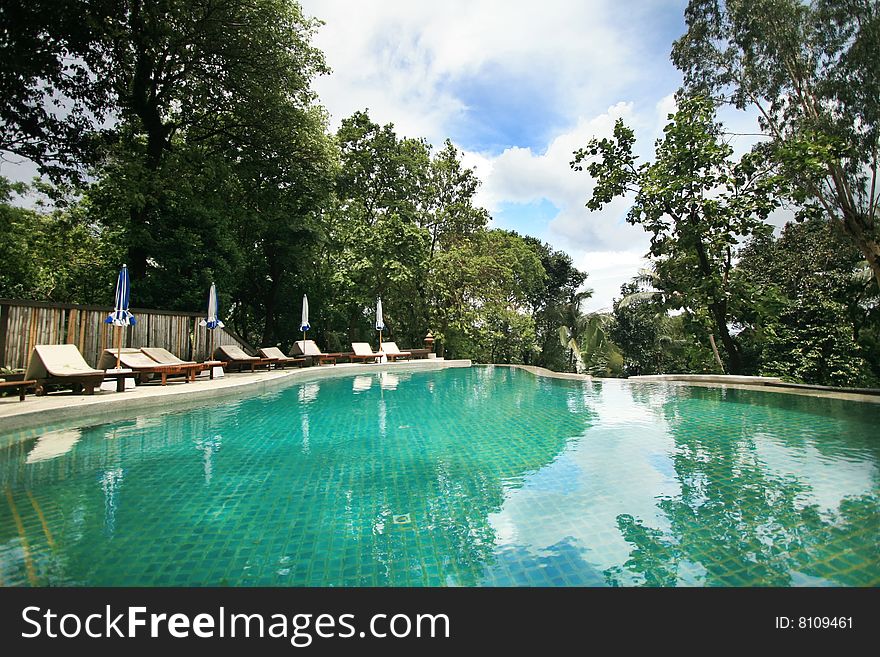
(718, 311)
(276, 274)
(734, 358)
(715, 351)
(137, 251)
(144, 102)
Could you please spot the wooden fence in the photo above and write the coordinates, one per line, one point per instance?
(24, 324)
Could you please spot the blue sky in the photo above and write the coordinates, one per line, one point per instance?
(517, 86)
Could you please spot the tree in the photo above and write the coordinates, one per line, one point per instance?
(811, 70)
(54, 256)
(553, 305)
(696, 203)
(196, 74)
(637, 329)
(51, 99)
(811, 316)
(478, 295)
(448, 211)
(375, 243)
(284, 184)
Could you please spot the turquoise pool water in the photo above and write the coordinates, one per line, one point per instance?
(480, 476)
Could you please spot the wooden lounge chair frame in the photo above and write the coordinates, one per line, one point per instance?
(164, 357)
(144, 366)
(281, 359)
(395, 352)
(310, 350)
(240, 363)
(360, 352)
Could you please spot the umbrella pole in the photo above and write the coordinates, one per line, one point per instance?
(118, 345)
(209, 355)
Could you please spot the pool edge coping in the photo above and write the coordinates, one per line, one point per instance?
(761, 384)
(85, 409)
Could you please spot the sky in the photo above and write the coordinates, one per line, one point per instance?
(517, 86)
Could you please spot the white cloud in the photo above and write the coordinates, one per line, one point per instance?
(601, 242)
(608, 271)
(589, 63)
(399, 58)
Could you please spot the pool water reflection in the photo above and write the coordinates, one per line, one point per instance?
(463, 477)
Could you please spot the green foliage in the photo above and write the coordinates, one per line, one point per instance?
(695, 202)
(808, 342)
(599, 355)
(51, 100)
(811, 317)
(555, 304)
(810, 68)
(53, 257)
(478, 293)
(637, 331)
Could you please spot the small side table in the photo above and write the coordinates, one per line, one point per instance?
(21, 385)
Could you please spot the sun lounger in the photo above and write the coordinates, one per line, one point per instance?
(393, 353)
(146, 367)
(309, 349)
(364, 352)
(52, 364)
(281, 359)
(165, 357)
(236, 357)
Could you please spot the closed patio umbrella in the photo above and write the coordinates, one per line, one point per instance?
(304, 324)
(212, 321)
(121, 316)
(380, 322)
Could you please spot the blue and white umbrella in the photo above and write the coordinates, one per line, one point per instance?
(121, 316)
(304, 324)
(212, 321)
(380, 322)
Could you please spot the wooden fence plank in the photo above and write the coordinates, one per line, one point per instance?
(25, 323)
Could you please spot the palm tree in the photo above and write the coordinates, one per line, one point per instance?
(573, 325)
(650, 278)
(585, 335)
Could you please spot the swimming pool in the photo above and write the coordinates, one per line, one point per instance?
(462, 477)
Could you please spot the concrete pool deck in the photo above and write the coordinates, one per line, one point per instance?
(62, 407)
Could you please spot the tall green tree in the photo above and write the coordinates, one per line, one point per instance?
(637, 329)
(811, 70)
(53, 90)
(376, 245)
(197, 73)
(283, 186)
(554, 305)
(811, 318)
(478, 294)
(695, 201)
(54, 255)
